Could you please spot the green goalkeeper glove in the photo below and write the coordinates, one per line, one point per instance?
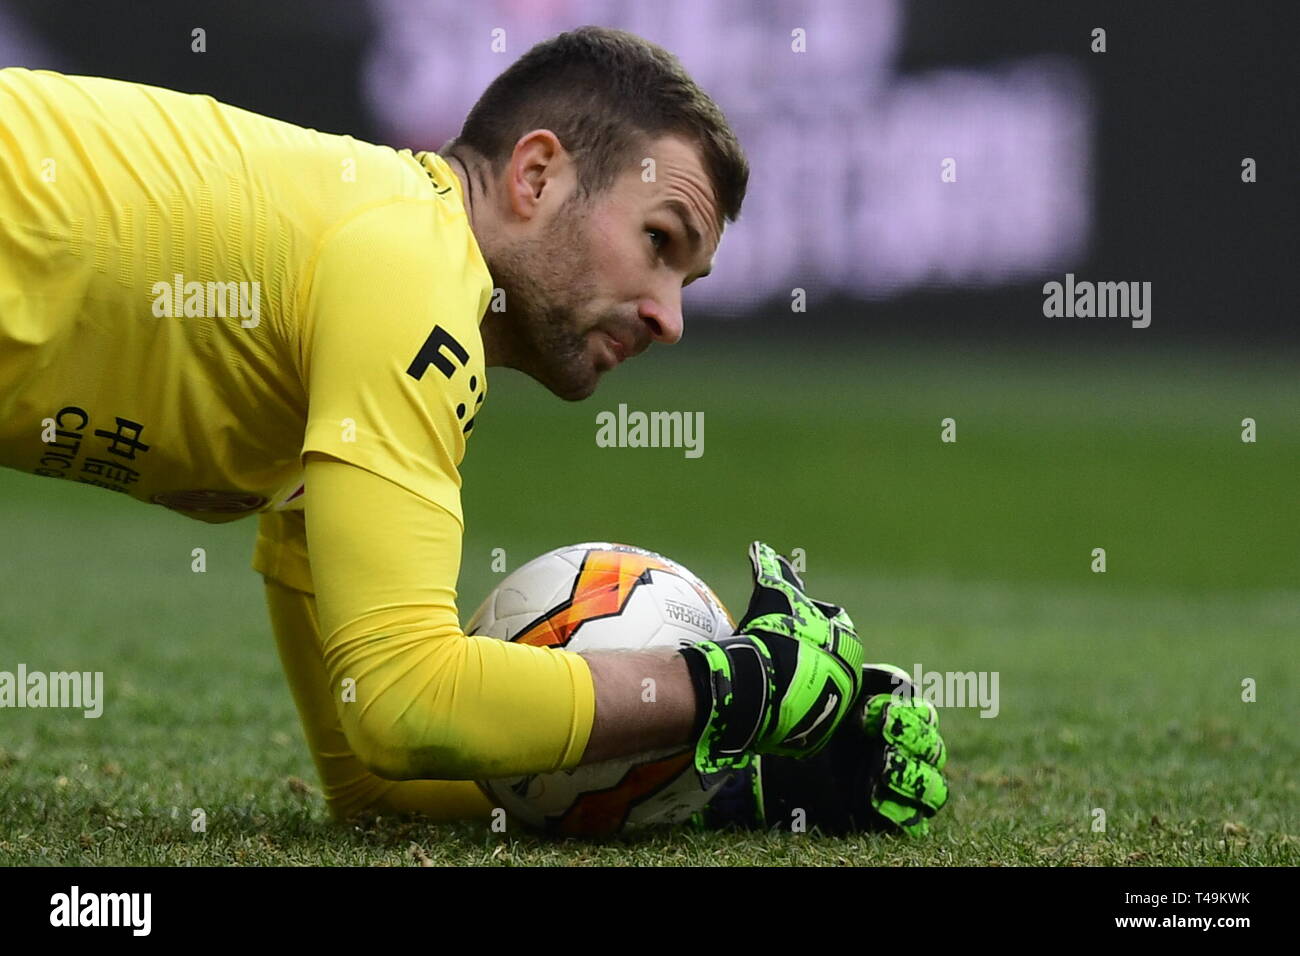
(880, 772)
(783, 683)
(910, 787)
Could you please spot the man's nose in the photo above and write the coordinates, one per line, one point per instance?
(663, 317)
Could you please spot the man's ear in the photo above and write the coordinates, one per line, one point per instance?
(540, 173)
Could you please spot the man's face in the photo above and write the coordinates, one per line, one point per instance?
(600, 279)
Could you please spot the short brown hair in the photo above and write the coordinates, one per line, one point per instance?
(604, 93)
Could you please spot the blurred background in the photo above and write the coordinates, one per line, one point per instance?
(1116, 165)
(924, 301)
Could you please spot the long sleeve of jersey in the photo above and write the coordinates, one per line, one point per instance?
(394, 368)
(417, 697)
(348, 787)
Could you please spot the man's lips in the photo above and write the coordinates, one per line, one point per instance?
(620, 352)
(620, 349)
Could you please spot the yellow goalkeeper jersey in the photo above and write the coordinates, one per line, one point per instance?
(204, 308)
(178, 275)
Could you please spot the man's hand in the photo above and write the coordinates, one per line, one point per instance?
(784, 683)
(909, 788)
(880, 772)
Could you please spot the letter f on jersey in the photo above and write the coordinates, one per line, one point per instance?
(431, 354)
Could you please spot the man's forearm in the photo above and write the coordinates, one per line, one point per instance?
(644, 701)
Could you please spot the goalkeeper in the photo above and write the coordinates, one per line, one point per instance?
(227, 315)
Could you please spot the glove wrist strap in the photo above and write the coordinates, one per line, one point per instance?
(726, 722)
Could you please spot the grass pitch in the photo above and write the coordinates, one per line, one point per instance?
(1119, 692)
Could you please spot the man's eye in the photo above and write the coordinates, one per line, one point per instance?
(658, 238)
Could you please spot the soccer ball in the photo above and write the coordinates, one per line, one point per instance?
(602, 596)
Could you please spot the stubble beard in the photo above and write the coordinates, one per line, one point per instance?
(545, 284)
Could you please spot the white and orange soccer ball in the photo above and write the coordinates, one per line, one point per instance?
(603, 596)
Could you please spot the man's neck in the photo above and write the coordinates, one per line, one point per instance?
(466, 184)
(490, 328)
